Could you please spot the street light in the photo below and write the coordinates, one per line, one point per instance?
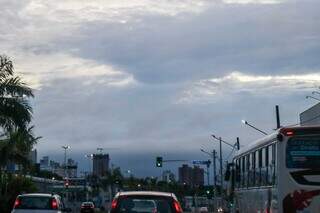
(213, 155)
(220, 143)
(65, 159)
(308, 96)
(237, 144)
(253, 127)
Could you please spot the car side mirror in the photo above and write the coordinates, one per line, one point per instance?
(67, 210)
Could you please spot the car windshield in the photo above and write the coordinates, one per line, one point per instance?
(303, 152)
(34, 202)
(145, 205)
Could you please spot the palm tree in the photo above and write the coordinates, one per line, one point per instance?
(16, 138)
(15, 148)
(15, 110)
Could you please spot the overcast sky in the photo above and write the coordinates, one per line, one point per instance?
(143, 78)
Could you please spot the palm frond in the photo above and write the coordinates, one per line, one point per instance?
(6, 67)
(14, 87)
(14, 111)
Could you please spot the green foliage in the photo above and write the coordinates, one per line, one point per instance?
(16, 147)
(17, 138)
(15, 110)
(11, 186)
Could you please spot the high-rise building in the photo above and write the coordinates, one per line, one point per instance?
(72, 168)
(185, 175)
(168, 176)
(44, 163)
(32, 157)
(198, 176)
(191, 176)
(100, 164)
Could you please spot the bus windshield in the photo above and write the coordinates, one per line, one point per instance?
(303, 152)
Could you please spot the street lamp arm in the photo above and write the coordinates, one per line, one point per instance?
(208, 153)
(259, 130)
(253, 127)
(308, 96)
(225, 142)
(315, 92)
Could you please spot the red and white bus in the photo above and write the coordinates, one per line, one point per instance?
(279, 173)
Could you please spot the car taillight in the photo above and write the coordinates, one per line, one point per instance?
(177, 206)
(114, 204)
(17, 203)
(54, 204)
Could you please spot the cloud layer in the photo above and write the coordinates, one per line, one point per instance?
(156, 77)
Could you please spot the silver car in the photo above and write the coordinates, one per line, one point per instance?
(39, 203)
(145, 202)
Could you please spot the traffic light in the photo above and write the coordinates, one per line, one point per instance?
(209, 193)
(159, 162)
(230, 204)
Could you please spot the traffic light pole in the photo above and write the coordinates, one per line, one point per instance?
(221, 177)
(214, 169)
(208, 175)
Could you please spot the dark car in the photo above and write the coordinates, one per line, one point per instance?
(145, 202)
(87, 207)
(40, 203)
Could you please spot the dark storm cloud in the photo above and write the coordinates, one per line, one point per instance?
(260, 39)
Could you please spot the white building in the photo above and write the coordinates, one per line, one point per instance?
(311, 116)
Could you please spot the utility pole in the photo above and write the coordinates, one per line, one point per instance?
(208, 174)
(221, 177)
(214, 169)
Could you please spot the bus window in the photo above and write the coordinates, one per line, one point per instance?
(303, 152)
(270, 165)
(264, 168)
(258, 167)
(247, 177)
(274, 162)
(238, 174)
(243, 173)
(252, 169)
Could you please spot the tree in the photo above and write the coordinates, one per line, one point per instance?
(15, 110)
(16, 147)
(11, 187)
(16, 137)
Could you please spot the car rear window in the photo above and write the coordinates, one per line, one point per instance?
(144, 204)
(87, 204)
(34, 202)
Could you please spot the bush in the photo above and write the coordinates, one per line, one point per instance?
(11, 186)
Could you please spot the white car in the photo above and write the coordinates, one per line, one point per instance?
(39, 203)
(145, 202)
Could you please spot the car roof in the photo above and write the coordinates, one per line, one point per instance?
(39, 195)
(151, 193)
